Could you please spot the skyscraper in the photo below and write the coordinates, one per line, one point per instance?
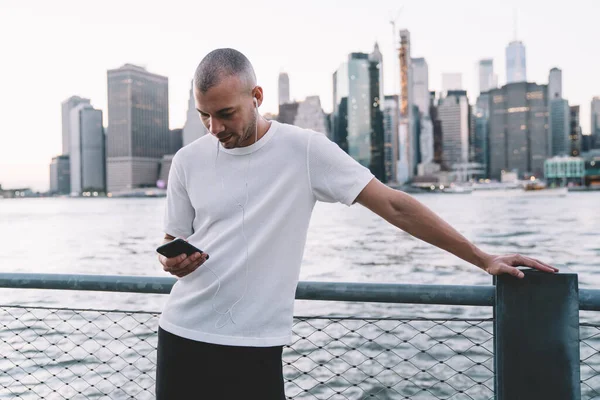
(358, 118)
(288, 112)
(454, 114)
(559, 115)
(310, 115)
(377, 165)
(87, 152)
(175, 140)
(357, 90)
(451, 81)
(595, 125)
(284, 88)
(516, 65)
(175, 143)
(559, 126)
(575, 135)
(518, 135)
(420, 83)
(193, 128)
(377, 58)
(422, 125)
(555, 84)
(586, 143)
(391, 118)
(138, 127)
(165, 167)
(67, 106)
(480, 142)
(339, 115)
(487, 79)
(437, 128)
(425, 140)
(415, 125)
(60, 175)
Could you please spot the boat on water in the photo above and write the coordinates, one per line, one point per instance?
(539, 188)
(141, 192)
(534, 186)
(529, 189)
(457, 190)
(491, 189)
(495, 186)
(558, 191)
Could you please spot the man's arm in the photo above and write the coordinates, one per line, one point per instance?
(408, 214)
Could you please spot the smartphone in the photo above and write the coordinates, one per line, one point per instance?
(177, 247)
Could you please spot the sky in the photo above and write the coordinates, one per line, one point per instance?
(53, 49)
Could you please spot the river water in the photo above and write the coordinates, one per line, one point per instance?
(350, 244)
(118, 236)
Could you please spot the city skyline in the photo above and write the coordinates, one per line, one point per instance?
(450, 39)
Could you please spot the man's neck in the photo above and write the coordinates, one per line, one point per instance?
(263, 127)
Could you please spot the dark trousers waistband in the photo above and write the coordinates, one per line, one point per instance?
(188, 369)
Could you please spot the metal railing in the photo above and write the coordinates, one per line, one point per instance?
(67, 353)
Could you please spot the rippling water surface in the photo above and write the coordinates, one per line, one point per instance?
(118, 236)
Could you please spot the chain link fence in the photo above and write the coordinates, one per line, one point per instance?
(58, 353)
(354, 358)
(589, 336)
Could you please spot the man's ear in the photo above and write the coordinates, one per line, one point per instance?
(257, 93)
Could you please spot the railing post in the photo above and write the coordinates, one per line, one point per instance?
(536, 337)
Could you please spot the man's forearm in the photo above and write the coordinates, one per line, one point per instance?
(416, 219)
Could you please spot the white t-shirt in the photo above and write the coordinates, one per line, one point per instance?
(286, 172)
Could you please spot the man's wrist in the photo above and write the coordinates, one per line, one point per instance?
(481, 257)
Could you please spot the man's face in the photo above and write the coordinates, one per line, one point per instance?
(227, 110)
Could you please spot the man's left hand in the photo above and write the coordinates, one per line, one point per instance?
(498, 265)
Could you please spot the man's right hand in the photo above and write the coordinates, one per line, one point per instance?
(181, 265)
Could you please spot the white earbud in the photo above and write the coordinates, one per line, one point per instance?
(257, 116)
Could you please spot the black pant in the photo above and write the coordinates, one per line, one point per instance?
(187, 369)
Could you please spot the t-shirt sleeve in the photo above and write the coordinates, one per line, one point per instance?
(334, 176)
(179, 212)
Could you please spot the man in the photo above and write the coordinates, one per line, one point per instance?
(244, 194)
